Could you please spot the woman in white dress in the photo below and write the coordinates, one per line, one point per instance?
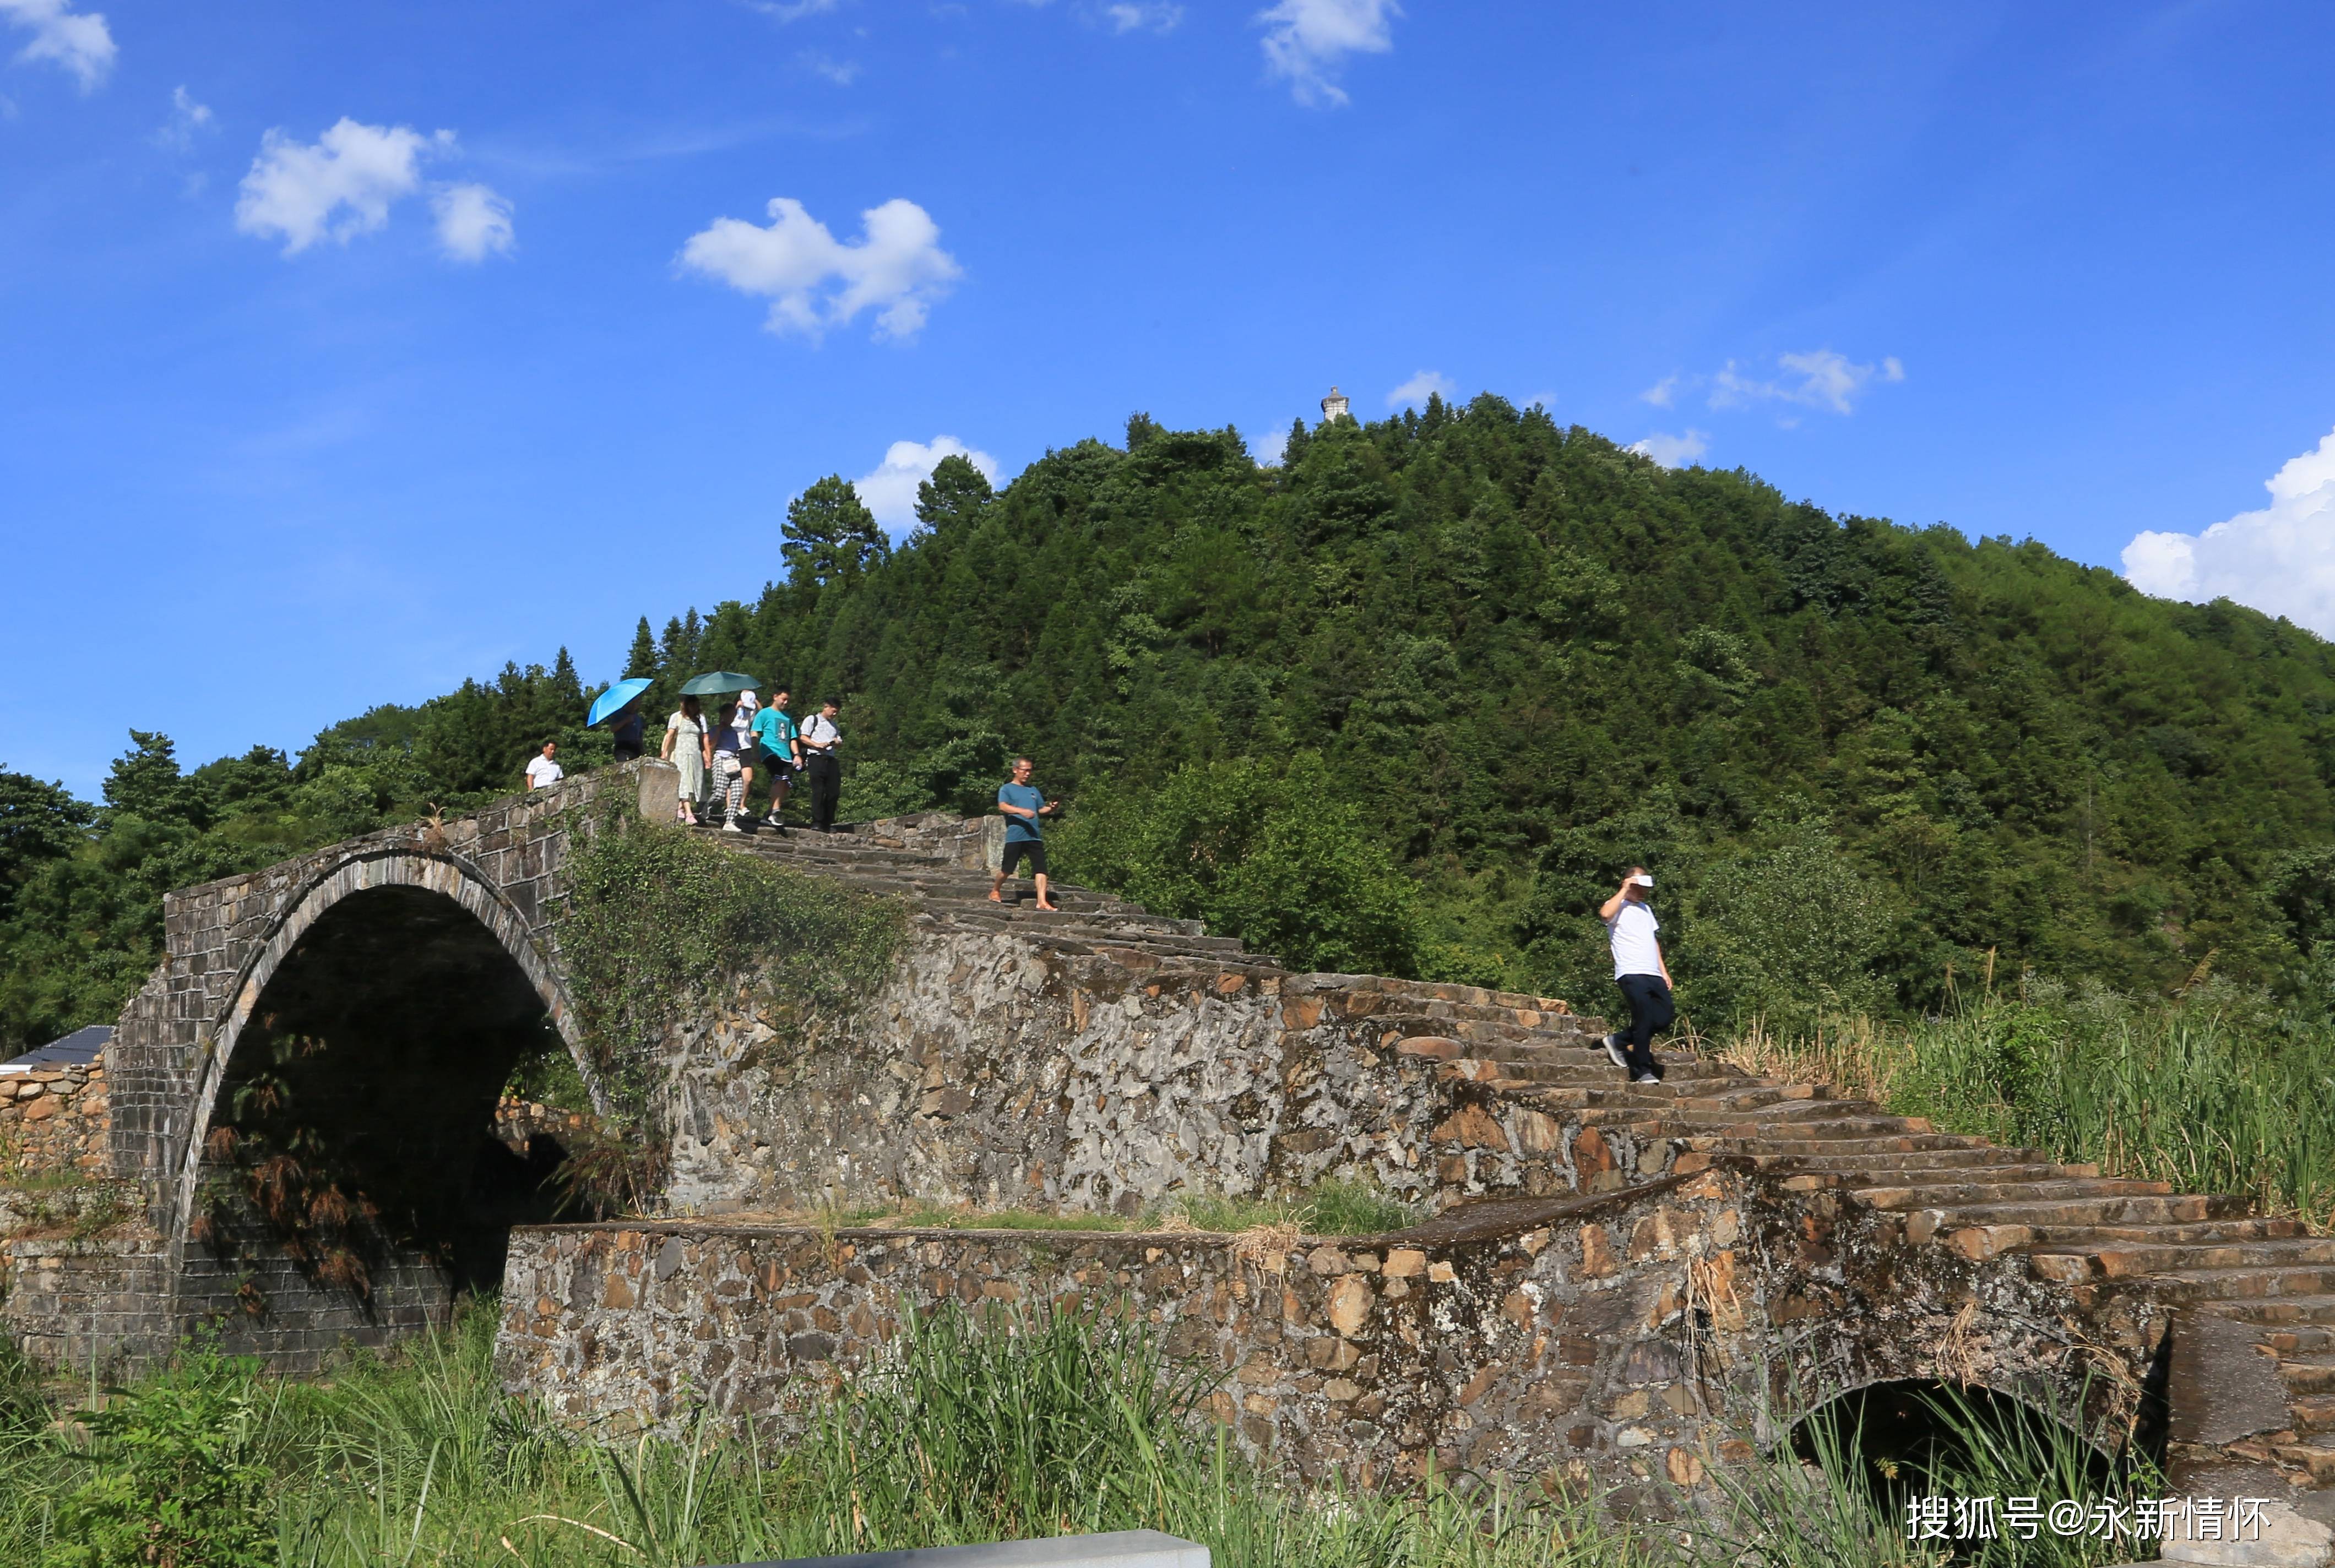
(685, 746)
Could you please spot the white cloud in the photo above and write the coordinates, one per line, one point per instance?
(472, 221)
(1662, 393)
(890, 492)
(342, 187)
(1268, 447)
(1417, 389)
(2279, 559)
(1308, 42)
(78, 42)
(186, 117)
(792, 10)
(1142, 16)
(1824, 379)
(1673, 452)
(896, 268)
(842, 72)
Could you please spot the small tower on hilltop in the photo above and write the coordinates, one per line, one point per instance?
(1333, 407)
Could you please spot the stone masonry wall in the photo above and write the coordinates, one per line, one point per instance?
(1626, 1338)
(992, 1070)
(55, 1120)
(1532, 1336)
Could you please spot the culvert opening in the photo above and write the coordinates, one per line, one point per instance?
(356, 1130)
(1924, 1439)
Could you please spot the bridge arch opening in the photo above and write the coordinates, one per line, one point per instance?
(1923, 1438)
(350, 1181)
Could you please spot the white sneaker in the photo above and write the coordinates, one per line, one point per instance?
(1612, 1044)
(730, 825)
(1646, 1078)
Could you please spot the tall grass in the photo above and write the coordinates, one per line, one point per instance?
(968, 1429)
(2219, 1091)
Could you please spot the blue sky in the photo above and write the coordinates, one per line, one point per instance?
(351, 350)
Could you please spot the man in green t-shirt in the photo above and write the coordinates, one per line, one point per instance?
(1022, 805)
(774, 732)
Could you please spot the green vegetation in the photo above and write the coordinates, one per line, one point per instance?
(81, 887)
(659, 919)
(1411, 699)
(2221, 1090)
(1272, 853)
(973, 1430)
(1511, 658)
(1329, 1208)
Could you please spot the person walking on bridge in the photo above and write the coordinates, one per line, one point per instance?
(820, 739)
(774, 731)
(1640, 971)
(732, 776)
(691, 750)
(1022, 805)
(542, 772)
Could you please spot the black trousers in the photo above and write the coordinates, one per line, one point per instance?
(825, 784)
(1652, 1011)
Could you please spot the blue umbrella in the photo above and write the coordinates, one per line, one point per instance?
(616, 697)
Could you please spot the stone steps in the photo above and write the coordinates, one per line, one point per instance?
(2071, 1224)
(2234, 1287)
(2190, 1260)
(2037, 1190)
(1898, 1161)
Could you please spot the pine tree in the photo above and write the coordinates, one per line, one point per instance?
(953, 497)
(830, 536)
(643, 660)
(145, 782)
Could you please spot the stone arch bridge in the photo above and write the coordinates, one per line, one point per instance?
(1624, 1282)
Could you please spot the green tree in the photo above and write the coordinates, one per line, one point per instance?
(1262, 854)
(642, 661)
(38, 823)
(953, 497)
(1787, 932)
(145, 782)
(830, 538)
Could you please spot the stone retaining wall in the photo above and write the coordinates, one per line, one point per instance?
(995, 1071)
(1518, 1338)
(1626, 1338)
(55, 1120)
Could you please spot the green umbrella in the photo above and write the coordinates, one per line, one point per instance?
(721, 682)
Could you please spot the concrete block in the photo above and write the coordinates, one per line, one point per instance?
(1120, 1549)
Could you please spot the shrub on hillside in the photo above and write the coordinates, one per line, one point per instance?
(176, 1480)
(1269, 855)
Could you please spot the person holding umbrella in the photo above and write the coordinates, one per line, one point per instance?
(729, 755)
(619, 707)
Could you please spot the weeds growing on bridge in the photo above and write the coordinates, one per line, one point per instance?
(2221, 1090)
(971, 1430)
(660, 923)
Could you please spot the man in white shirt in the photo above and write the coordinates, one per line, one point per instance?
(542, 772)
(1640, 971)
(820, 737)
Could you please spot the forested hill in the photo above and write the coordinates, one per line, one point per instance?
(1413, 698)
(1526, 657)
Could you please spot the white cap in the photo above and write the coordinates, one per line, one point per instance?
(1642, 879)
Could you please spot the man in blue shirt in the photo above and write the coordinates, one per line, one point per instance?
(774, 731)
(1022, 805)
